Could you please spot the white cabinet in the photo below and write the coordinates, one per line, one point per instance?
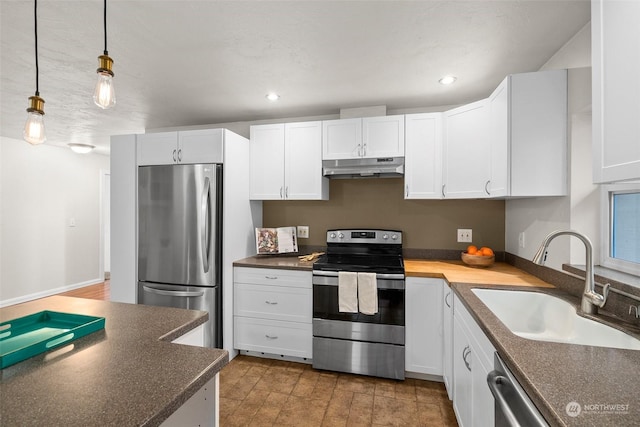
(467, 152)
(472, 361)
(286, 162)
(273, 311)
(423, 156)
(615, 39)
(194, 337)
(202, 409)
(369, 138)
(528, 135)
(447, 340)
(423, 325)
(187, 147)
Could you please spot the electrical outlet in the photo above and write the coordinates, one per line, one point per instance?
(521, 239)
(303, 231)
(465, 235)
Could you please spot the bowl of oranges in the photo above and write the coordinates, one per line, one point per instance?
(474, 257)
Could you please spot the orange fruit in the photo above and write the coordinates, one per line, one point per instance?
(486, 251)
(471, 249)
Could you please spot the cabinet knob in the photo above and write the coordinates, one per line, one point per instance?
(486, 188)
(271, 277)
(271, 302)
(443, 185)
(174, 155)
(180, 155)
(271, 337)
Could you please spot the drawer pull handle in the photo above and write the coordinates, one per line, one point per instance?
(269, 337)
(271, 302)
(271, 277)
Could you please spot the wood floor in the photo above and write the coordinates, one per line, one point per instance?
(100, 291)
(266, 392)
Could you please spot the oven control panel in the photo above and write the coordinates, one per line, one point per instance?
(365, 236)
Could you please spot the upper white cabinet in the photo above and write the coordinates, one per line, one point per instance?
(467, 152)
(528, 135)
(615, 44)
(166, 148)
(423, 156)
(286, 162)
(423, 330)
(369, 137)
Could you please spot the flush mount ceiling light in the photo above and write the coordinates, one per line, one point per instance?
(34, 128)
(447, 80)
(272, 96)
(81, 148)
(104, 95)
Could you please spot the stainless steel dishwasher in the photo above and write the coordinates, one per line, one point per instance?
(513, 408)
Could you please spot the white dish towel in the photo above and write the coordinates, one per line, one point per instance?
(367, 293)
(347, 292)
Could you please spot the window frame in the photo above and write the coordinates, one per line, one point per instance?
(606, 226)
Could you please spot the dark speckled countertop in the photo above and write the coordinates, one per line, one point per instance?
(127, 374)
(556, 374)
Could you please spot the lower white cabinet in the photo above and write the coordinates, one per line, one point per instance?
(273, 311)
(447, 340)
(202, 409)
(423, 325)
(472, 361)
(194, 337)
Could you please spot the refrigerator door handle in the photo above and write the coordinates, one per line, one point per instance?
(205, 231)
(172, 293)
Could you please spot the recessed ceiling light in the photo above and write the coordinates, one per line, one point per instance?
(272, 96)
(447, 80)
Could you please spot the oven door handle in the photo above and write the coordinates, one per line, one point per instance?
(378, 275)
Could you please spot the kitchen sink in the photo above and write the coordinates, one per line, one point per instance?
(543, 317)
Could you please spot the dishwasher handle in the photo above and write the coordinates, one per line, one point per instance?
(495, 380)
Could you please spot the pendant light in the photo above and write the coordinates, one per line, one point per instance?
(104, 95)
(34, 128)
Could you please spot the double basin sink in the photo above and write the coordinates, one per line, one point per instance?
(543, 317)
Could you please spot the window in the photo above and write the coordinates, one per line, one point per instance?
(621, 227)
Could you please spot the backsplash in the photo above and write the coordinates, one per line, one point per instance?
(380, 203)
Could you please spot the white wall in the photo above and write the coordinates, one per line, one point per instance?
(580, 209)
(42, 188)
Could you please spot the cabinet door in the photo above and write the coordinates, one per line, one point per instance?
(483, 403)
(423, 330)
(303, 162)
(157, 148)
(467, 153)
(200, 146)
(499, 139)
(462, 388)
(447, 338)
(615, 38)
(341, 139)
(423, 156)
(383, 136)
(267, 162)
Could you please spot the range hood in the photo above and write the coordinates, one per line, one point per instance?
(382, 167)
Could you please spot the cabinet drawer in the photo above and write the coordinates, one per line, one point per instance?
(273, 302)
(272, 276)
(272, 336)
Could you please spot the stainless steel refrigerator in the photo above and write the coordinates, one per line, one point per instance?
(180, 240)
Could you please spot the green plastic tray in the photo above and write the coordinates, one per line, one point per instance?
(36, 333)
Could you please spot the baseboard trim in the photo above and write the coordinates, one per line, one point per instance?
(49, 292)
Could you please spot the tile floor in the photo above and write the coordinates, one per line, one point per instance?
(266, 392)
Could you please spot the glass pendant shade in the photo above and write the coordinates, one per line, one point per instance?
(34, 128)
(104, 95)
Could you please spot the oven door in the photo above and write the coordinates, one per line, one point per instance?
(390, 300)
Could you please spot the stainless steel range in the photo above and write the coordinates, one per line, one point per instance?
(369, 344)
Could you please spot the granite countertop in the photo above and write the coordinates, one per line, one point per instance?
(127, 374)
(556, 374)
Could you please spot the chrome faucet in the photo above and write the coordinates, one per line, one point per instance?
(591, 300)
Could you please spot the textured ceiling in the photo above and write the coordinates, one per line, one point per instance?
(184, 63)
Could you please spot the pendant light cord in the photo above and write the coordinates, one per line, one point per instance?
(105, 28)
(35, 25)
